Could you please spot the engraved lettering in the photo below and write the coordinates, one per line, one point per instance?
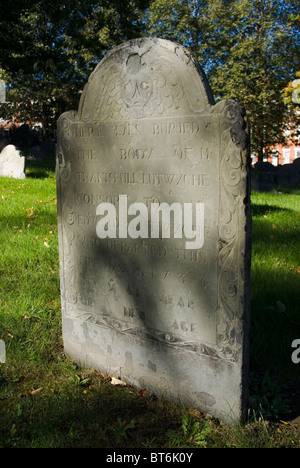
(86, 155)
(166, 299)
(184, 326)
(79, 130)
(127, 129)
(182, 153)
(205, 154)
(201, 180)
(180, 128)
(136, 154)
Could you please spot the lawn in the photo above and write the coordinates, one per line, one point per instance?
(46, 401)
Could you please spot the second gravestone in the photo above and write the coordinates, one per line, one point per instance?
(154, 220)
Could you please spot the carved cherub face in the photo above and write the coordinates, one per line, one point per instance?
(137, 89)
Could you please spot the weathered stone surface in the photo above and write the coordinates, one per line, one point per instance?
(171, 312)
(12, 163)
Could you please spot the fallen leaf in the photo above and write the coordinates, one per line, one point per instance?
(34, 392)
(194, 412)
(115, 381)
(8, 333)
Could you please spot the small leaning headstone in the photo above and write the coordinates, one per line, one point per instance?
(2, 92)
(12, 163)
(155, 229)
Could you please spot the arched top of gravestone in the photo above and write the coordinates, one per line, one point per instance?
(146, 78)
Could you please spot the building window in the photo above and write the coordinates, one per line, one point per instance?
(275, 158)
(286, 156)
(297, 153)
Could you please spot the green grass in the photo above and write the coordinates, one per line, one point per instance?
(275, 281)
(47, 401)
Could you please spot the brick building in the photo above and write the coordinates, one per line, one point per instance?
(286, 154)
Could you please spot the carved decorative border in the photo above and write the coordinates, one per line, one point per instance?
(233, 224)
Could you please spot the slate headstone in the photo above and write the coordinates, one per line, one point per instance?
(3, 142)
(287, 175)
(36, 153)
(297, 164)
(22, 137)
(48, 147)
(12, 163)
(155, 229)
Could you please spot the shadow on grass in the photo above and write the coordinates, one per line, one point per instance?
(107, 418)
(40, 170)
(260, 210)
(275, 321)
(89, 417)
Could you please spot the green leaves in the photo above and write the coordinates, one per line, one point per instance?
(55, 49)
(249, 49)
(191, 434)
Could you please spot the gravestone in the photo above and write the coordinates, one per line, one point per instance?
(2, 352)
(22, 137)
(2, 92)
(287, 175)
(3, 142)
(12, 163)
(155, 230)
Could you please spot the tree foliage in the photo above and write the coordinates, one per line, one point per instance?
(248, 48)
(55, 48)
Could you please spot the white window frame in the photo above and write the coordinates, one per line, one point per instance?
(286, 156)
(275, 156)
